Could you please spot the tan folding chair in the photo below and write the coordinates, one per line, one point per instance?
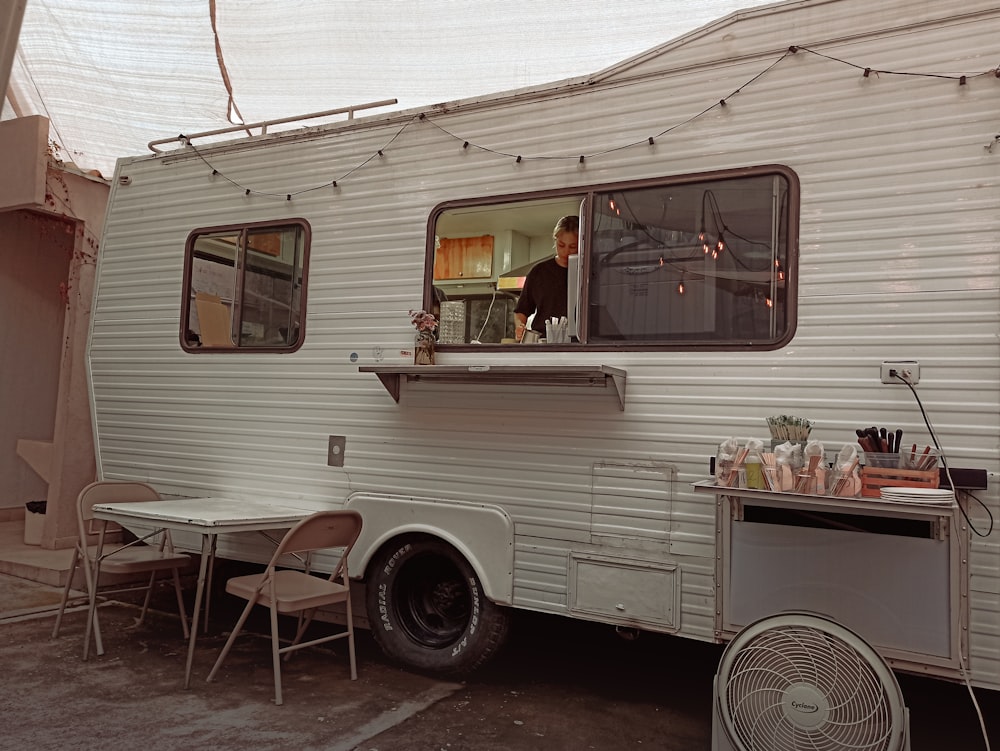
(290, 591)
(136, 557)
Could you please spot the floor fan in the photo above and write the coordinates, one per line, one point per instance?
(797, 682)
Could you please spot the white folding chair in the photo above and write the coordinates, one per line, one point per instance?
(123, 560)
(288, 591)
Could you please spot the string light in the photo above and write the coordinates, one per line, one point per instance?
(710, 208)
(680, 286)
(650, 140)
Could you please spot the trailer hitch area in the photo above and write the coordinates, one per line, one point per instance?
(627, 632)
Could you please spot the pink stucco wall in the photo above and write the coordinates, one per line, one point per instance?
(34, 261)
(51, 219)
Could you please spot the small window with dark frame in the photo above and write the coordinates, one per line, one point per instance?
(244, 287)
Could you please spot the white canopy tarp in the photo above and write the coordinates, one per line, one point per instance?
(113, 75)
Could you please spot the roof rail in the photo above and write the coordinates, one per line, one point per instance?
(265, 124)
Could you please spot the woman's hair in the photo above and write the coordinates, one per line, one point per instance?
(567, 224)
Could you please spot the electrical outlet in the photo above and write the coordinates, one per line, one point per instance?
(335, 451)
(908, 369)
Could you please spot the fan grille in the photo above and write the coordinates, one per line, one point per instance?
(801, 686)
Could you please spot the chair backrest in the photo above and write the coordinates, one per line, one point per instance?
(325, 529)
(105, 491)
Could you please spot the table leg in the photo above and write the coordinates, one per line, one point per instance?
(207, 547)
(211, 573)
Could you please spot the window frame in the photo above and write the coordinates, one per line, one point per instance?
(242, 228)
(586, 196)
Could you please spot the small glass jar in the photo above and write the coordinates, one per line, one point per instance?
(841, 484)
(805, 482)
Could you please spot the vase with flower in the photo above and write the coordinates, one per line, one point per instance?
(426, 324)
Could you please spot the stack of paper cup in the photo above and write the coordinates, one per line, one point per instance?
(556, 330)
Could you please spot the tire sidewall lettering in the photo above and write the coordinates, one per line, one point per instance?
(383, 606)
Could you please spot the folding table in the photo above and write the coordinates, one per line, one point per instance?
(209, 517)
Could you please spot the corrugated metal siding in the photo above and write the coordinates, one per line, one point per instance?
(899, 259)
(809, 22)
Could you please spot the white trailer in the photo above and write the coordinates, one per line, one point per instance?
(251, 335)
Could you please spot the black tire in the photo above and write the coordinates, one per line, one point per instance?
(427, 609)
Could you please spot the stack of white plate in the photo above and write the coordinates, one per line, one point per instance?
(926, 496)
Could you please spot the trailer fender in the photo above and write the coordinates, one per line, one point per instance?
(482, 533)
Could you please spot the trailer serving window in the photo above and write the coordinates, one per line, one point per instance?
(244, 287)
(696, 261)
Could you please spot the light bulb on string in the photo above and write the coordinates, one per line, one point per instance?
(768, 302)
(680, 286)
(720, 244)
(780, 272)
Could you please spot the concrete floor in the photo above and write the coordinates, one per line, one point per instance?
(31, 561)
(133, 695)
(559, 685)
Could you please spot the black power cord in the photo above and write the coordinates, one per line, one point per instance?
(944, 461)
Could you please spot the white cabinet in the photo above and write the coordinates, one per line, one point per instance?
(895, 574)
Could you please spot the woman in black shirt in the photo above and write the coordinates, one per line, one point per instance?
(544, 292)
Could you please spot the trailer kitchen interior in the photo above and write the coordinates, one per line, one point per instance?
(771, 208)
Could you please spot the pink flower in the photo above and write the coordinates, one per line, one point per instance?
(423, 321)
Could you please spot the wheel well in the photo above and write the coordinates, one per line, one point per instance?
(480, 534)
(412, 537)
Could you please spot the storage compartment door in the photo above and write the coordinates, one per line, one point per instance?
(625, 591)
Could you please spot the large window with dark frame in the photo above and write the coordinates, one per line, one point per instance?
(704, 261)
(244, 287)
